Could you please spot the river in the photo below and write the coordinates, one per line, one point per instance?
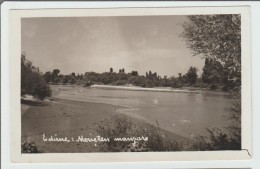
(186, 114)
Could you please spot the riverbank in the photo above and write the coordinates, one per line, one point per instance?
(162, 89)
(62, 118)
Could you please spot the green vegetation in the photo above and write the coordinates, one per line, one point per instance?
(121, 126)
(29, 147)
(32, 81)
(217, 38)
(122, 78)
(227, 138)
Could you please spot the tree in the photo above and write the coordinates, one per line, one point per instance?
(111, 70)
(191, 75)
(216, 37)
(56, 72)
(134, 73)
(65, 79)
(32, 81)
(213, 72)
(55, 77)
(180, 74)
(48, 76)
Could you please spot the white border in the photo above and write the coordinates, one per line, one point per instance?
(15, 17)
(5, 85)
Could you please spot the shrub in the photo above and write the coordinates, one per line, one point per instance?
(120, 82)
(32, 81)
(228, 138)
(225, 88)
(218, 139)
(199, 143)
(29, 147)
(234, 119)
(213, 87)
(177, 84)
(120, 126)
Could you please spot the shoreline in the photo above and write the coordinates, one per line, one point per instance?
(160, 89)
(79, 114)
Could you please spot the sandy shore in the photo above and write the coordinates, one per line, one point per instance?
(142, 89)
(65, 118)
(160, 89)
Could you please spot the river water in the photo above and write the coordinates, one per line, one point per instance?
(186, 114)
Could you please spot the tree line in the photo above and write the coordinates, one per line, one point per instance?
(122, 78)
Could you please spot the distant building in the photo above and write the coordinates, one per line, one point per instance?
(111, 70)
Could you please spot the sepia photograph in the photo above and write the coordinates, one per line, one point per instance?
(131, 83)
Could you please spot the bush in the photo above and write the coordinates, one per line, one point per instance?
(213, 87)
(177, 84)
(29, 147)
(32, 81)
(218, 139)
(42, 90)
(120, 82)
(228, 138)
(120, 126)
(201, 85)
(199, 143)
(234, 119)
(225, 88)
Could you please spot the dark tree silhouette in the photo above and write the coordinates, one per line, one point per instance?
(32, 81)
(191, 75)
(217, 37)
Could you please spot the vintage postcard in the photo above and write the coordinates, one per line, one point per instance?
(130, 84)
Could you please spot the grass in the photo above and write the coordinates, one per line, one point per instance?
(119, 125)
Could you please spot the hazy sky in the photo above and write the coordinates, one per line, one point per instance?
(82, 44)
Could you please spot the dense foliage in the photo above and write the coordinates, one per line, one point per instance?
(217, 38)
(121, 78)
(32, 81)
(122, 126)
(215, 74)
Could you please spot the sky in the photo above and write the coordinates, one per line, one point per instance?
(84, 44)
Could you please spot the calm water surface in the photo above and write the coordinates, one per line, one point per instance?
(186, 114)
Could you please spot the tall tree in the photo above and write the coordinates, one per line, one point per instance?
(32, 81)
(216, 37)
(48, 76)
(56, 72)
(55, 77)
(73, 74)
(213, 72)
(191, 75)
